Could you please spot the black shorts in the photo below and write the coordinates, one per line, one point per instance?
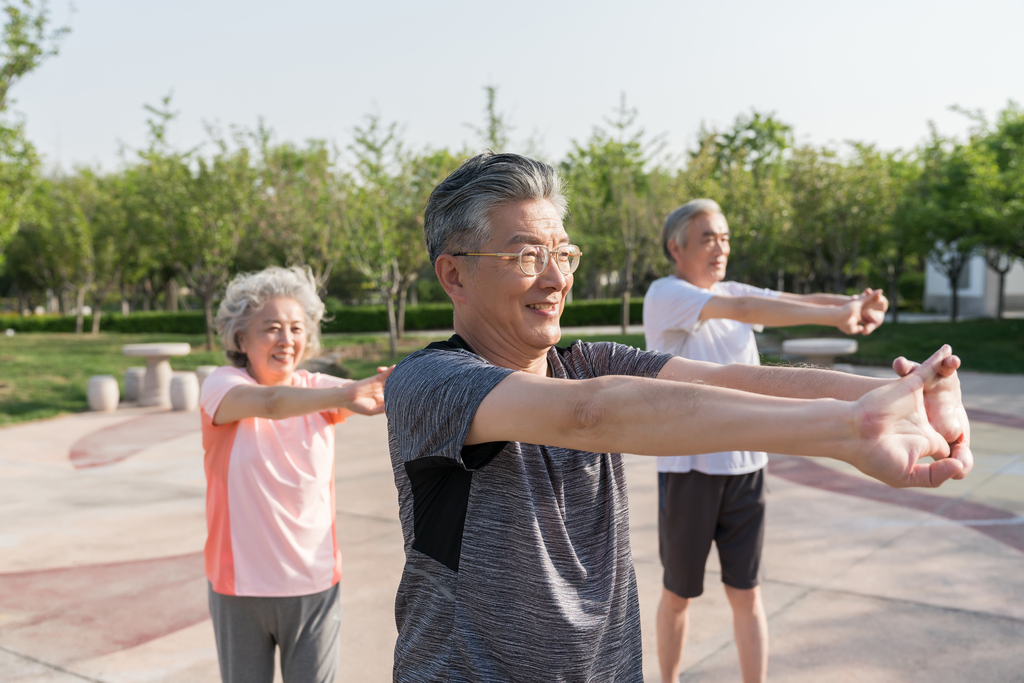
(696, 508)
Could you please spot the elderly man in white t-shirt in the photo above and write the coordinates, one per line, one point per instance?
(720, 496)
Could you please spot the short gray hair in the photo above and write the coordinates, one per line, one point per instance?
(456, 218)
(248, 293)
(679, 220)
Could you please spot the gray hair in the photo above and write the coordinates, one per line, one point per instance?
(456, 218)
(248, 293)
(679, 220)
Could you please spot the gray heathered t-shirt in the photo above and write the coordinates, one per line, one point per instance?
(518, 565)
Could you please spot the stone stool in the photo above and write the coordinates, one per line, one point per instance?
(184, 391)
(133, 378)
(203, 371)
(102, 393)
(821, 352)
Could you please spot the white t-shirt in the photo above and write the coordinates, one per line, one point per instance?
(672, 324)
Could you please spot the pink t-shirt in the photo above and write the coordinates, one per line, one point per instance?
(270, 495)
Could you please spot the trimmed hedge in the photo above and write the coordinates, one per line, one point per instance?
(184, 322)
(589, 312)
(345, 319)
(375, 318)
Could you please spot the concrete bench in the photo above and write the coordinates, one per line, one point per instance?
(821, 352)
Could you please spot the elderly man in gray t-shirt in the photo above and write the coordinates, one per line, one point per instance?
(505, 448)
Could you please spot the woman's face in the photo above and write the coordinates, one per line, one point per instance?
(274, 341)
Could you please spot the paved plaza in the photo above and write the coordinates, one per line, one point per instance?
(102, 527)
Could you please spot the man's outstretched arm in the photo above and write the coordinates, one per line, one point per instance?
(942, 398)
(885, 433)
(852, 315)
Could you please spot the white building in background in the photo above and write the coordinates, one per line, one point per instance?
(977, 290)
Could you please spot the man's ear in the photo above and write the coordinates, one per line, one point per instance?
(675, 249)
(448, 274)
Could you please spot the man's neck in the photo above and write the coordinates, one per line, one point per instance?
(497, 351)
(703, 283)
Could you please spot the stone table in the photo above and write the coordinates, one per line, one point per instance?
(156, 385)
(821, 352)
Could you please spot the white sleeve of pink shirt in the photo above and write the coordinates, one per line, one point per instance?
(270, 495)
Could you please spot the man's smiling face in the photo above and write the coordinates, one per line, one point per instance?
(522, 310)
(703, 260)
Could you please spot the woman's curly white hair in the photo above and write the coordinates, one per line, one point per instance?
(248, 293)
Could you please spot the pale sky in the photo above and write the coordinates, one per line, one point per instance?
(869, 71)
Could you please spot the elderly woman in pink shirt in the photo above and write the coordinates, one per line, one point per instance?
(272, 556)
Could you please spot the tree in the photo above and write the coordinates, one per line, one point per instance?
(25, 43)
(958, 181)
(107, 233)
(616, 210)
(421, 174)
(745, 167)
(219, 212)
(495, 133)
(837, 206)
(903, 238)
(301, 204)
(197, 207)
(373, 226)
(1004, 233)
(51, 249)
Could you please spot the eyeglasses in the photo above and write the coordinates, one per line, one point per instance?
(533, 259)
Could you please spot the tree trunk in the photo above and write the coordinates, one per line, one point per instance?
(1001, 264)
(894, 290)
(403, 291)
(98, 297)
(1000, 306)
(80, 311)
(208, 311)
(392, 325)
(171, 295)
(625, 311)
(627, 290)
(954, 299)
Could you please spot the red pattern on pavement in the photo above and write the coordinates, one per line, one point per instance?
(118, 442)
(72, 614)
(808, 473)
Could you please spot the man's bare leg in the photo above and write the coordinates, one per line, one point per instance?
(672, 621)
(750, 628)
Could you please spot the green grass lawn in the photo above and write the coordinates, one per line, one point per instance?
(983, 345)
(42, 375)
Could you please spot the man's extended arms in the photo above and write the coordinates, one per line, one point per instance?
(885, 433)
(861, 314)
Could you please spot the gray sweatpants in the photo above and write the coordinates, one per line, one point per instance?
(307, 628)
